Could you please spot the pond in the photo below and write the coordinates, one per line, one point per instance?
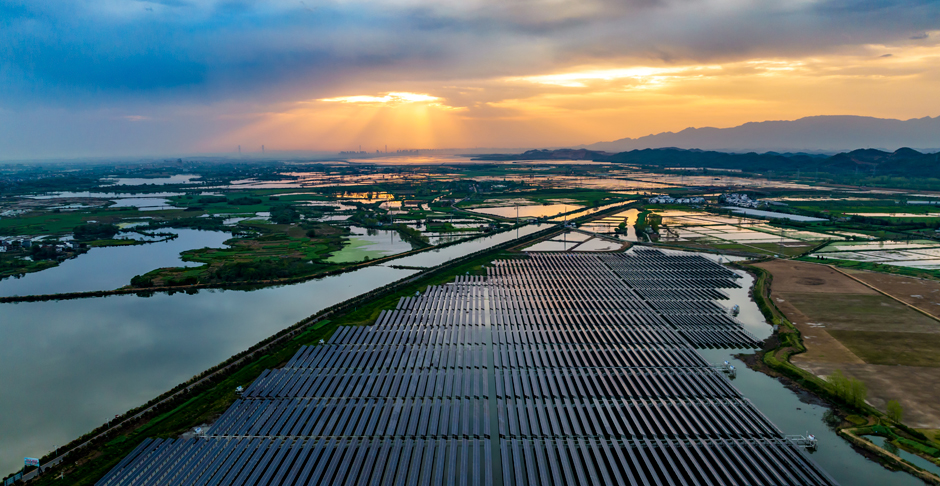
(609, 224)
(101, 195)
(371, 243)
(903, 454)
(143, 203)
(68, 366)
(535, 211)
(773, 214)
(598, 244)
(113, 267)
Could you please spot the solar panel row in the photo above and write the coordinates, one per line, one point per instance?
(559, 369)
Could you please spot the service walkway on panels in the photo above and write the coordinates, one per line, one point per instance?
(562, 368)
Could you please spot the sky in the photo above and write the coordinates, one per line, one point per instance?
(85, 78)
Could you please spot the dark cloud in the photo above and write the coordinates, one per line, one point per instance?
(206, 51)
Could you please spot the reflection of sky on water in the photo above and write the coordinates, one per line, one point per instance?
(552, 246)
(538, 211)
(143, 203)
(102, 195)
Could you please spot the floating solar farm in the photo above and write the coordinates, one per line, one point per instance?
(561, 368)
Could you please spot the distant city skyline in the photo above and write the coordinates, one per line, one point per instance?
(110, 78)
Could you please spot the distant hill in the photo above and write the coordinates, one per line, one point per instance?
(816, 134)
(904, 162)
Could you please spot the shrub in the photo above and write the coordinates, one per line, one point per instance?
(283, 214)
(95, 231)
(245, 201)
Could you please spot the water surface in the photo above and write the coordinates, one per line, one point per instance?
(112, 267)
(368, 242)
(903, 454)
(537, 211)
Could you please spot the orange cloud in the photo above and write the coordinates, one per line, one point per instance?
(584, 104)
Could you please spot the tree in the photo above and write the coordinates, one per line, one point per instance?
(853, 391)
(838, 382)
(284, 214)
(857, 392)
(895, 411)
(654, 221)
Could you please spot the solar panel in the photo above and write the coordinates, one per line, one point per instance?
(559, 369)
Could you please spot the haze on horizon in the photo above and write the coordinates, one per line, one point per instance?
(83, 78)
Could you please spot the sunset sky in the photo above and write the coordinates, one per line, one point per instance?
(125, 77)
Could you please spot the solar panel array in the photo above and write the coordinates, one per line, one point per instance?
(559, 369)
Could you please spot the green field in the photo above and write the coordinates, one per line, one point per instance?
(282, 251)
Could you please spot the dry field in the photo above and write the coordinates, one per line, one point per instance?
(924, 294)
(846, 325)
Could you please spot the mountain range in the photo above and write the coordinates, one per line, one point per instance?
(815, 134)
(904, 162)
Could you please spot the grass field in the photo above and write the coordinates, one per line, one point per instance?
(52, 223)
(279, 244)
(11, 265)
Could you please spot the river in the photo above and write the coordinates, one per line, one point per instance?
(68, 366)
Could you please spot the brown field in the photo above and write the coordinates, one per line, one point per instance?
(910, 385)
(892, 348)
(923, 294)
(790, 276)
(854, 312)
